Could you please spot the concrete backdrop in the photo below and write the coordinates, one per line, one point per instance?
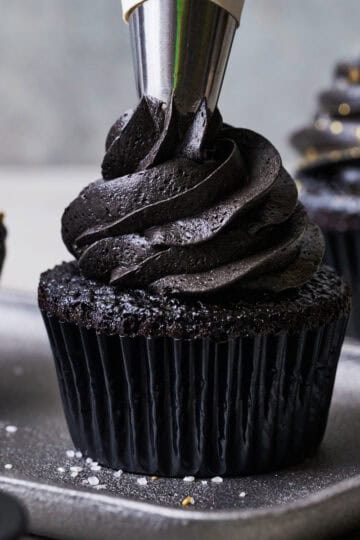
(66, 72)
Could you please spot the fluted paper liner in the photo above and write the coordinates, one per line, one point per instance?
(177, 407)
(343, 254)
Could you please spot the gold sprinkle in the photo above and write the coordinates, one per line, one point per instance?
(357, 132)
(311, 153)
(354, 75)
(298, 185)
(355, 152)
(344, 109)
(188, 500)
(336, 127)
(154, 477)
(335, 155)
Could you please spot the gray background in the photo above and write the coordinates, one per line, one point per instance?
(66, 72)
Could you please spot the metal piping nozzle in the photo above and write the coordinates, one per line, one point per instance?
(182, 47)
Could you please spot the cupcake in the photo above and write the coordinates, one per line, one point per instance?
(196, 330)
(2, 241)
(329, 177)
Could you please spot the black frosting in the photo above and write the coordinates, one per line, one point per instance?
(330, 169)
(189, 205)
(2, 241)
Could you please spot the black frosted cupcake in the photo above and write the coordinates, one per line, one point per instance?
(329, 176)
(2, 241)
(196, 332)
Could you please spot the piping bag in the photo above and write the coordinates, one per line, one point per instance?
(181, 48)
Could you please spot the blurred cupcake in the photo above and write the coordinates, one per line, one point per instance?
(329, 176)
(2, 241)
(196, 332)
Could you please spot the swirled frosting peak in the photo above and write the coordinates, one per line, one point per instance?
(189, 205)
(329, 170)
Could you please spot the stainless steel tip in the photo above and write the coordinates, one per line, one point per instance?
(182, 47)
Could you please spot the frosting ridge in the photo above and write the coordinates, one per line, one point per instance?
(189, 205)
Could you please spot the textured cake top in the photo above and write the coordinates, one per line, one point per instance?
(70, 297)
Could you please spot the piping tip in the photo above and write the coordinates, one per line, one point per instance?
(182, 47)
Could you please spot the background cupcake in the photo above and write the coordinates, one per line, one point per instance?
(196, 332)
(329, 176)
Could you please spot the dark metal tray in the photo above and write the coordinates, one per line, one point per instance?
(318, 499)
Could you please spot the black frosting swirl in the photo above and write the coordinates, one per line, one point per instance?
(330, 168)
(188, 205)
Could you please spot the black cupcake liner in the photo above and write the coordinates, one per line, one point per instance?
(343, 254)
(178, 407)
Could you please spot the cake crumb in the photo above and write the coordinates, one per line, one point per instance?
(74, 474)
(78, 454)
(11, 429)
(217, 480)
(93, 481)
(189, 479)
(95, 467)
(88, 460)
(100, 486)
(204, 482)
(60, 469)
(142, 481)
(70, 453)
(76, 469)
(187, 501)
(118, 473)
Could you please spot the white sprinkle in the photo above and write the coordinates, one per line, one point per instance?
(95, 467)
(142, 481)
(70, 453)
(88, 460)
(204, 482)
(78, 455)
(242, 494)
(11, 429)
(93, 481)
(8, 466)
(118, 473)
(217, 480)
(192, 500)
(74, 474)
(61, 470)
(76, 469)
(100, 486)
(189, 479)
(84, 482)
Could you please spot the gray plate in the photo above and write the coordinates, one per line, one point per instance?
(319, 499)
